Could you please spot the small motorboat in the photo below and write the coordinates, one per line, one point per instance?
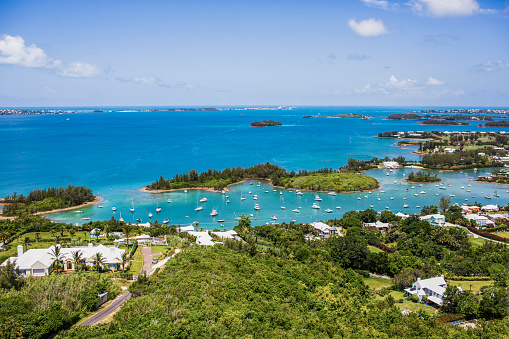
(328, 210)
(165, 221)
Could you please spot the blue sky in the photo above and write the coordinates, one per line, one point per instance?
(177, 53)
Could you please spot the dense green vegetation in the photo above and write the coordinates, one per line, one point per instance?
(349, 116)
(354, 165)
(500, 123)
(421, 176)
(460, 159)
(41, 307)
(339, 182)
(47, 199)
(279, 176)
(443, 122)
(266, 123)
(500, 177)
(403, 116)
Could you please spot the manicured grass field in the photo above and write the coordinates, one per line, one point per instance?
(410, 305)
(474, 286)
(476, 242)
(338, 182)
(377, 283)
(373, 249)
(503, 234)
(136, 264)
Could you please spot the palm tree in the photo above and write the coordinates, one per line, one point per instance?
(57, 239)
(124, 258)
(56, 254)
(127, 231)
(98, 260)
(26, 242)
(37, 236)
(71, 233)
(77, 258)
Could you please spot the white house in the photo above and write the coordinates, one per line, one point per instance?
(378, 225)
(39, 262)
(203, 238)
(433, 288)
(231, 234)
(434, 219)
(469, 209)
(144, 240)
(490, 208)
(481, 220)
(325, 230)
(402, 215)
(449, 150)
(390, 164)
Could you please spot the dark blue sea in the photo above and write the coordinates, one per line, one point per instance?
(118, 153)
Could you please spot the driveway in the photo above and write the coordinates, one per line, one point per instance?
(108, 310)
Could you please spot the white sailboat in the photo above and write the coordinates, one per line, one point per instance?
(158, 209)
(132, 205)
(120, 219)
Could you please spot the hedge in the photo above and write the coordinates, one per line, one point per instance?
(487, 235)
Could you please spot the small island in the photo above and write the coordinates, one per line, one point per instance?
(421, 177)
(500, 123)
(497, 177)
(443, 122)
(266, 123)
(350, 116)
(325, 179)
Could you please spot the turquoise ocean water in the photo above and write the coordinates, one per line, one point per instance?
(117, 153)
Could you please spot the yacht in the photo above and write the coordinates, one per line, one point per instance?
(113, 208)
(370, 206)
(298, 192)
(273, 217)
(332, 193)
(185, 191)
(338, 207)
(296, 210)
(158, 209)
(392, 198)
(358, 198)
(418, 206)
(416, 194)
(86, 218)
(328, 210)
(315, 206)
(462, 187)
(100, 206)
(283, 208)
(266, 191)
(242, 198)
(213, 213)
(169, 201)
(223, 191)
(413, 187)
(422, 192)
(487, 197)
(203, 200)
(199, 208)
(280, 193)
(366, 196)
(405, 206)
(138, 219)
(78, 212)
(165, 221)
(317, 198)
(150, 215)
(469, 185)
(257, 207)
(255, 197)
(228, 201)
(220, 220)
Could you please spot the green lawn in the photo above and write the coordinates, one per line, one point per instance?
(410, 305)
(474, 286)
(377, 283)
(503, 234)
(373, 249)
(136, 264)
(476, 242)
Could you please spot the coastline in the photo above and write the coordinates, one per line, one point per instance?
(420, 182)
(93, 202)
(269, 181)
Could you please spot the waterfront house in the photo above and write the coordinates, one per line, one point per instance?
(377, 225)
(433, 288)
(325, 230)
(144, 240)
(231, 234)
(434, 219)
(39, 262)
(390, 164)
(470, 209)
(490, 208)
(481, 220)
(402, 215)
(202, 238)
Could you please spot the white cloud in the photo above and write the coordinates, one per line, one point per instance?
(434, 82)
(490, 66)
(440, 8)
(141, 80)
(79, 69)
(368, 28)
(13, 51)
(377, 3)
(358, 57)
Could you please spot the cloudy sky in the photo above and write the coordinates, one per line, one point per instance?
(263, 52)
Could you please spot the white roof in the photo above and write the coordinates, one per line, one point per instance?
(203, 238)
(189, 228)
(321, 226)
(227, 235)
(402, 215)
(490, 207)
(43, 256)
(429, 216)
(377, 224)
(435, 284)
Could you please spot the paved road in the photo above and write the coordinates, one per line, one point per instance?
(108, 310)
(147, 260)
(473, 234)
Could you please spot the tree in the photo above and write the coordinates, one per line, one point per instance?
(349, 252)
(444, 203)
(10, 276)
(498, 273)
(56, 254)
(77, 257)
(38, 237)
(123, 260)
(406, 278)
(493, 304)
(127, 231)
(98, 260)
(26, 243)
